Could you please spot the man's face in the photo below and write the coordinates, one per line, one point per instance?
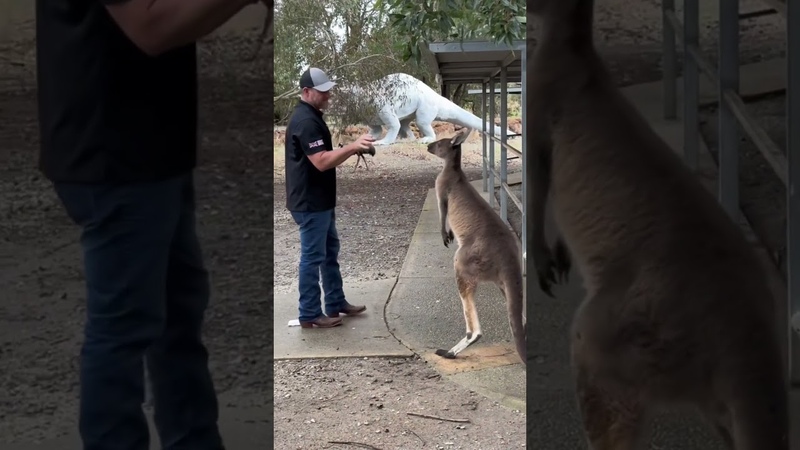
(317, 98)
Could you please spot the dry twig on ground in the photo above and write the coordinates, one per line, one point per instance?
(425, 416)
(355, 444)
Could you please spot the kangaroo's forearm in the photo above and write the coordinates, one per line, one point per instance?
(443, 212)
(542, 156)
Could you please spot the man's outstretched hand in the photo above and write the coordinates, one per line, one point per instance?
(364, 144)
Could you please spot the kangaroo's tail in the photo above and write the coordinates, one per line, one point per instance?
(514, 302)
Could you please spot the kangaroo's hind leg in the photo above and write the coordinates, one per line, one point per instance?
(613, 401)
(467, 282)
(759, 414)
(614, 417)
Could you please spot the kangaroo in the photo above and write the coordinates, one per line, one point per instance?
(487, 248)
(677, 308)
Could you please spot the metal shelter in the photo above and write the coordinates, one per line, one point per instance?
(487, 63)
(733, 114)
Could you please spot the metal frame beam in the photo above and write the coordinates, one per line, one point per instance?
(733, 115)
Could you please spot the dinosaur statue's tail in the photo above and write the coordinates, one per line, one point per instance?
(461, 116)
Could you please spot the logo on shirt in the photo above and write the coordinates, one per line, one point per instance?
(315, 144)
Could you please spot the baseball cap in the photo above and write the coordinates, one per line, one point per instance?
(316, 79)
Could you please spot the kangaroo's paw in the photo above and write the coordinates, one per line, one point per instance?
(447, 237)
(468, 340)
(562, 261)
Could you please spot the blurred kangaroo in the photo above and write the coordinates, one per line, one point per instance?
(677, 310)
(488, 251)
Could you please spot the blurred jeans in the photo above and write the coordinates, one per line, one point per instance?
(319, 256)
(146, 294)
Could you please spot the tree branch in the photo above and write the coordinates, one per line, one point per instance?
(295, 91)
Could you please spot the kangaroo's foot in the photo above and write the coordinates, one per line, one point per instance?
(468, 340)
(466, 283)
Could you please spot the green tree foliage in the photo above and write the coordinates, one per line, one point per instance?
(422, 22)
(349, 39)
(360, 41)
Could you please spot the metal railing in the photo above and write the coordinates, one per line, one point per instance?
(733, 114)
(488, 171)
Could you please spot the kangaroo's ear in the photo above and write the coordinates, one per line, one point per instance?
(460, 136)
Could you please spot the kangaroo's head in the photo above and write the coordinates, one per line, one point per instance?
(449, 148)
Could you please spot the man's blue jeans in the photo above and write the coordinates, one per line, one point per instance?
(146, 293)
(319, 254)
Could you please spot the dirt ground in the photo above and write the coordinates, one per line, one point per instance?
(316, 401)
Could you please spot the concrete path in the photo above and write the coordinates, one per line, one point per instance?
(358, 336)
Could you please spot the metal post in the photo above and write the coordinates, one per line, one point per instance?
(483, 138)
(691, 83)
(523, 103)
(669, 61)
(728, 132)
(792, 197)
(491, 141)
(504, 138)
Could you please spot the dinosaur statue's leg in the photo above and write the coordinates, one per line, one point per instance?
(405, 129)
(425, 118)
(375, 131)
(393, 127)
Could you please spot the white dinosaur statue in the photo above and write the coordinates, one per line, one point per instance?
(411, 99)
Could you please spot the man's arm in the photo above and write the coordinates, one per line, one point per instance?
(156, 26)
(310, 138)
(325, 160)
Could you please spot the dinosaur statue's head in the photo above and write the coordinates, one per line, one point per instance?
(444, 148)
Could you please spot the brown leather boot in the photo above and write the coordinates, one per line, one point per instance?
(321, 322)
(350, 310)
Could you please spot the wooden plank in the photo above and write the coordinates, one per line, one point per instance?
(777, 5)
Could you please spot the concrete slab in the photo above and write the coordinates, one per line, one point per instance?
(363, 335)
(427, 256)
(426, 315)
(756, 79)
(505, 385)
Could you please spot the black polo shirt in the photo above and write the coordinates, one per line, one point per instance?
(308, 189)
(107, 111)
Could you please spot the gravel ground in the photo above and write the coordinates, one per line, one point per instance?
(368, 401)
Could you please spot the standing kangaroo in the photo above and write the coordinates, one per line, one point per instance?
(677, 307)
(487, 249)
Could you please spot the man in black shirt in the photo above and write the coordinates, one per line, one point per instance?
(311, 163)
(118, 121)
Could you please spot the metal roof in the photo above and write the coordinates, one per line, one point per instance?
(474, 61)
(509, 90)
